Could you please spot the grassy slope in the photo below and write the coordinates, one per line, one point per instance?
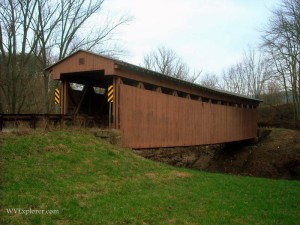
(92, 182)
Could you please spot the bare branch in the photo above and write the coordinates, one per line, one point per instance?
(167, 62)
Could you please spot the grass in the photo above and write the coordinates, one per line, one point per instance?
(92, 182)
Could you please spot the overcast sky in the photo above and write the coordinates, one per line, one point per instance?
(208, 34)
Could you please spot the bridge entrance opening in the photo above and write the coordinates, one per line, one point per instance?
(84, 94)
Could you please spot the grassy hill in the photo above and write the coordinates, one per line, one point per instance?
(89, 181)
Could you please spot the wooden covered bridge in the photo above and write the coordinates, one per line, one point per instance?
(151, 109)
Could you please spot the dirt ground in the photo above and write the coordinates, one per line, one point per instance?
(276, 155)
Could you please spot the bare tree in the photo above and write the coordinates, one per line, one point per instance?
(249, 76)
(282, 42)
(17, 46)
(272, 94)
(73, 35)
(63, 30)
(210, 80)
(234, 79)
(257, 71)
(167, 62)
(43, 31)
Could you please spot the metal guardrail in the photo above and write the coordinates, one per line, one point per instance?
(33, 119)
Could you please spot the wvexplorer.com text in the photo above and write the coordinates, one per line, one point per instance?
(32, 211)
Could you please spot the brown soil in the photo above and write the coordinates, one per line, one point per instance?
(277, 156)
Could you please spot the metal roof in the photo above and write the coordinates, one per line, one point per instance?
(176, 80)
(140, 69)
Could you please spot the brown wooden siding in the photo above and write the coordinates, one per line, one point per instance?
(83, 61)
(151, 119)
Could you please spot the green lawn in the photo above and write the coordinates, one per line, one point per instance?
(92, 182)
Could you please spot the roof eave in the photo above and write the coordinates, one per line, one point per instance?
(160, 75)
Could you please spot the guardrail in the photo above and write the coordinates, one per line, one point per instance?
(60, 119)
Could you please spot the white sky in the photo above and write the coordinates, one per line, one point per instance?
(208, 34)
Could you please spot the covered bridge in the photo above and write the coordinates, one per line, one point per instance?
(151, 109)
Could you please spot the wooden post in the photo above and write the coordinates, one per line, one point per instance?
(64, 97)
(158, 89)
(32, 121)
(1, 121)
(109, 115)
(140, 85)
(117, 81)
(81, 99)
(174, 93)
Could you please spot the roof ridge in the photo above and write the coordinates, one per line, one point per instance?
(139, 68)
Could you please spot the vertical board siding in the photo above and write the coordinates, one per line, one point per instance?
(151, 119)
(91, 63)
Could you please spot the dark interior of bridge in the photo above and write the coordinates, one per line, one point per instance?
(87, 93)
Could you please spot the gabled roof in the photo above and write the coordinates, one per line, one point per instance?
(74, 53)
(138, 69)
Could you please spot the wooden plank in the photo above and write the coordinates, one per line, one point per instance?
(153, 119)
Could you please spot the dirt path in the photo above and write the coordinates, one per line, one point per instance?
(276, 156)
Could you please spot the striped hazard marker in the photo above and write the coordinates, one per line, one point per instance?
(56, 96)
(110, 95)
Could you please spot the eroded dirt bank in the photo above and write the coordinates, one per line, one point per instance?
(275, 156)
